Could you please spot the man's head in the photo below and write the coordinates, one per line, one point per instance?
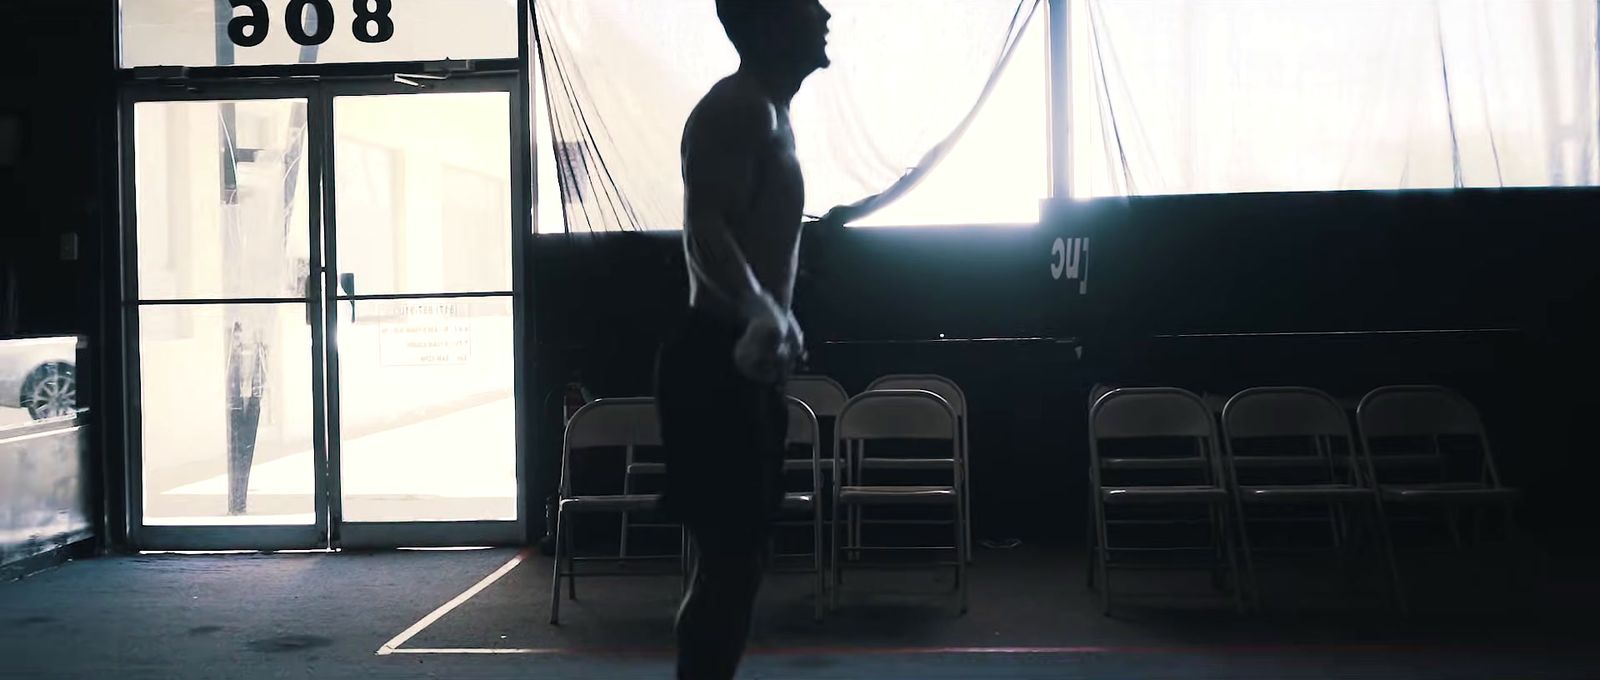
(778, 33)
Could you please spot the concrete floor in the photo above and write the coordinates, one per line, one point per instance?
(327, 615)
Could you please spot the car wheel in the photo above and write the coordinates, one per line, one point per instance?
(51, 391)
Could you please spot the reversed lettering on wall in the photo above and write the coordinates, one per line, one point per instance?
(425, 334)
(310, 22)
(1069, 260)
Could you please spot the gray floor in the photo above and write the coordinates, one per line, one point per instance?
(325, 616)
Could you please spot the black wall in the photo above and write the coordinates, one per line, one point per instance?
(1490, 292)
(60, 83)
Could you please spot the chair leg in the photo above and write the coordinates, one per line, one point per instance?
(627, 489)
(572, 568)
(1381, 518)
(1102, 556)
(833, 564)
(555, 576)
(816, 559)
(1231, 549)
(963, 553)
(1091, 545)
(966, 501)
(684, 554)
(1251, 581)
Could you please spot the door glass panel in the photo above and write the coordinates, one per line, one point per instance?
(221, 194)
(195, 33)
(426, 410)
(424, 192)
(226, 414)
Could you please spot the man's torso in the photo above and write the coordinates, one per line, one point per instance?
(768, 229)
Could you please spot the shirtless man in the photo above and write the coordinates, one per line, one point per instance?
(719, 382)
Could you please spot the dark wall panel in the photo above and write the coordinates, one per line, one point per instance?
(1490, 292)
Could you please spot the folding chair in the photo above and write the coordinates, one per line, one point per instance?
(900, 415)
(1432, 477)
(952, 394)
(1159, 478)
(603, 423)
(1314, 464)
(804, 431)
(825, 397)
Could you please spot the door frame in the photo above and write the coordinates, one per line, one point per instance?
(328, 530)
(216, 536)
(366, 535)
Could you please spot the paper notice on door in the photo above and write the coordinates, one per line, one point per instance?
(436, 336)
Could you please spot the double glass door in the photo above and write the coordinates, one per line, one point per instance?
(323, 334)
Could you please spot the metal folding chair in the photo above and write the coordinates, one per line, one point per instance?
(900, 415)
(804, 431)
(600, 424)
(1311, 461)
(1157, 479)
(953, 395)
(1429, 475)
(825, 397)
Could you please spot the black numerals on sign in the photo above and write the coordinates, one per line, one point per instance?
(249, 30)
(373, 24)
(321, 21)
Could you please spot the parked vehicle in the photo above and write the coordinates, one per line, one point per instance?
(39, 375)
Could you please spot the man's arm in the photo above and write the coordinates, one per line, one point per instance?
(721, 151)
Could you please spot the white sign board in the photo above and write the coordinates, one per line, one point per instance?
(426, 334)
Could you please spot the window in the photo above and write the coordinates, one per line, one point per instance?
(195, 33)
(1218, 96)
(619, 78)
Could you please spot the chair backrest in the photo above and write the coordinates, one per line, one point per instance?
(609, 423)
(1427, 412)
(1283, 412)
(803, 427)
(1311, 417)
(897, 414)
(937, 384)
(1416, 410)
(1147, 413)
(824, 395)
(615, 422)
(1097, 391)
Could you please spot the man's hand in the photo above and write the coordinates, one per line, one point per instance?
(771, 343)
(795, 340)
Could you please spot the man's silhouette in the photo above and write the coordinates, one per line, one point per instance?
(720, 378)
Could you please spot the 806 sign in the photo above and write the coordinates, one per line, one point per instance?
(372, 24)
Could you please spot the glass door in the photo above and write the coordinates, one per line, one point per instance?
(323, 340)
(423, 361)
(225, 326)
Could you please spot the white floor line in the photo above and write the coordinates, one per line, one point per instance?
(392, 646)
(472, 650)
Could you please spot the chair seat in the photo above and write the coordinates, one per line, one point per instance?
(804, 464)
(617, 503)
(1303, 492)
(799, 501)
(1466, 492)
(1286, 462)
(647, 468)
(1183, 463)
(898, 495)
(1163, 494)
(907, 463)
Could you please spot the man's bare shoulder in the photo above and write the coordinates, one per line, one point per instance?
(733, 111)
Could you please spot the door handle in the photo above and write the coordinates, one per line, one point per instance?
(347, 283)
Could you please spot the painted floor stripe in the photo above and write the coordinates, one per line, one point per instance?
(393, 645)
(908, 651)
